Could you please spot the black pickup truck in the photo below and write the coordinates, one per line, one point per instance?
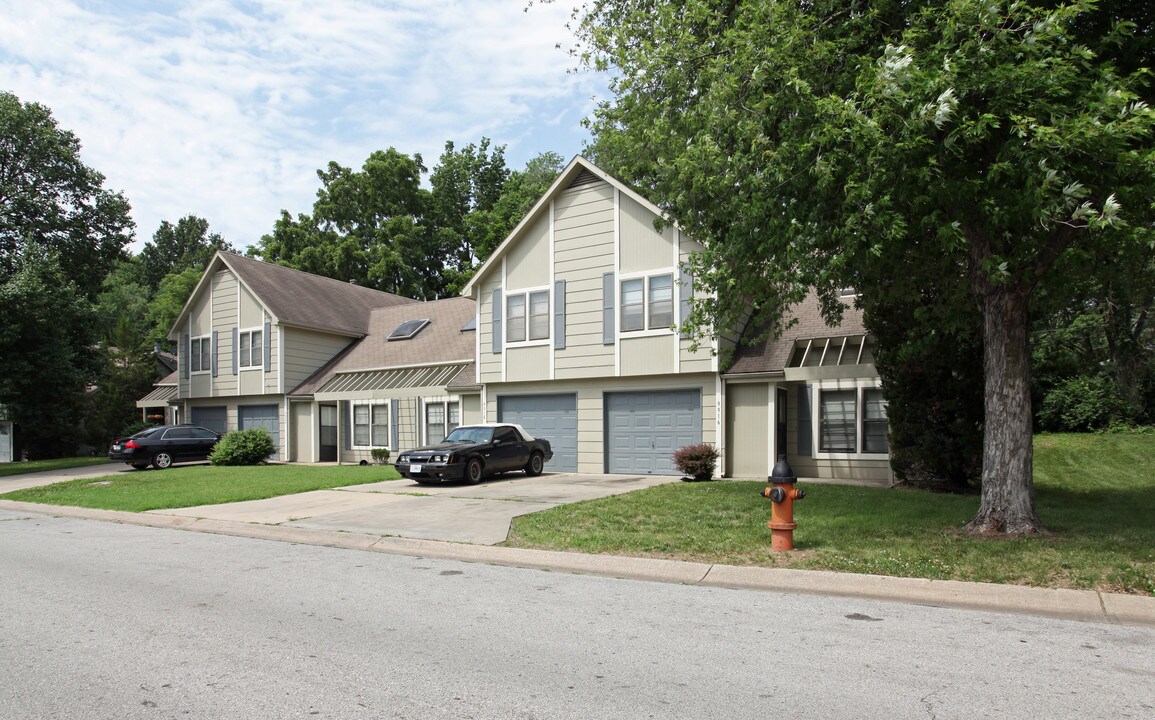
(471, 452)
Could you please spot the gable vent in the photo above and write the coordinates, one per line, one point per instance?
(585, 177)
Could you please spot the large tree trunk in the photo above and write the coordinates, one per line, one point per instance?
(1008, 493)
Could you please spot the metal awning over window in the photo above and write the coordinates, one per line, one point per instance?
(370, 380)
(158, 397)
(831, 352)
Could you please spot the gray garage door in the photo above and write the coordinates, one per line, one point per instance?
(644, 429)
(214, 418)
(254, 416)
(552, 417)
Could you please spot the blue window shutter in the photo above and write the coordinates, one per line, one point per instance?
(186, 350)
(393, 425)
(497, 313)
(216, 349)
(609, 310)
(685, 291)
(559, 315)
(236, 350)
(346, 409)
(805, 439)
(268, 338)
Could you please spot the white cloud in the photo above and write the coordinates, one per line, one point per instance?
(226, 108)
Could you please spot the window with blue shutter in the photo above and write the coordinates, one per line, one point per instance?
(497, 311)
(559, 315)
(609, 310)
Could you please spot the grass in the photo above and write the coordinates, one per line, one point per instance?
(1094, 493)
(188, 486)
(33, 466)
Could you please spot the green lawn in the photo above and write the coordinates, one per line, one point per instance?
(33, 466)
(190, 485)
(1095, 494)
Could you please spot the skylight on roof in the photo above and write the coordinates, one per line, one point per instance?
(407, 329)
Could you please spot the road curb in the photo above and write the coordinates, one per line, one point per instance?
(1078, 605)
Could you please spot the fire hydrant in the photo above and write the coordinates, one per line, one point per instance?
(782, 494)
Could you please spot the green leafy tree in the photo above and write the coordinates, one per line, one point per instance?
(176, 247)
(174, 291)
(48, 350)
(522, 189)
(50, 198)
(811, 144)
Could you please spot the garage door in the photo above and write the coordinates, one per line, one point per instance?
(552, 417)
(644, 429)
(214, 418)
(254, 416)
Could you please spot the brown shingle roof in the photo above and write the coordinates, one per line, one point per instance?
(311, 301)
(772, 354)
(441, 341)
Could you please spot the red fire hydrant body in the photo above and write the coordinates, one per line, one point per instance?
(782, 494)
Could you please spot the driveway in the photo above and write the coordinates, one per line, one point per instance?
(478, 514)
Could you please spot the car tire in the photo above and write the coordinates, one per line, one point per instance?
(473, 471)
(162, 460)
(139, 466)
(535, 465)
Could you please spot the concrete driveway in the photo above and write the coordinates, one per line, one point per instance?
(478, 514)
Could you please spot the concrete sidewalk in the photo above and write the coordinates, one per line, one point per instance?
(353, 518)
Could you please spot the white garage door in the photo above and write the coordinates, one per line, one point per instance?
(552, 417)
(253, 416)
(643, 430)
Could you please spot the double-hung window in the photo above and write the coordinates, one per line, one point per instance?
(647, 303)
(441, 418)
(371, 425)
(852, 420)
(250, 349)
(201, 354)
(527, 316)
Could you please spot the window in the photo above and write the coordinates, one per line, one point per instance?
(371, 425)
(250, 349)
(441, 418)
(532, 322)
(648, 303)
(407, 329)
(201, 354)
(852, 420)
(515, 318)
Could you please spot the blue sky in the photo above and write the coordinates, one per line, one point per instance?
(226, 108)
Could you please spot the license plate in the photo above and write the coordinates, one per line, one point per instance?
(414, 468)
(116, 448)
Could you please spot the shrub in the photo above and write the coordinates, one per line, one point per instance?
(243, 447)
(697, 461)
(1082, 403)
(380, 455)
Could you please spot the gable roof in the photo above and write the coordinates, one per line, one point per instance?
(771, 355)
(579, 172)
(297, 298)
(441, 342)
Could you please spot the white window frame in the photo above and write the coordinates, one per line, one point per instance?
(257, 363)
(528, 317)
(648, 327)
(447, 405)
(377, 408)
(196, 349)
(859, 387)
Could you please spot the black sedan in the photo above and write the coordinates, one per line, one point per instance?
(163, 446)
(471, 452)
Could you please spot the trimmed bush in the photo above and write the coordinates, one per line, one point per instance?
(243, 447)
(697, 461)
(380, 455)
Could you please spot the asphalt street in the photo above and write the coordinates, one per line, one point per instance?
(104, 620)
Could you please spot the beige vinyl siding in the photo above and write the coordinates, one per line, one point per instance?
(583, 253)
(489, 363)
(224, 302)
(702, 360)
(304, 434)
(641, 247)
(648, 355)
(527, 263)
(307, 350)
(471, 409)
(591, 406)
(525, 364)
(251, 314)
(275, 341)
(250, 382)
(748, 430)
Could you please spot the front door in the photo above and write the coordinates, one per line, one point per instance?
(328, 433)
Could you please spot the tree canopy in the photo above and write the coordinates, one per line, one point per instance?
(833, 143)
(50, 198)
(174, 248)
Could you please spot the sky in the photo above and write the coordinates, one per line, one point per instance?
(227, 108)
